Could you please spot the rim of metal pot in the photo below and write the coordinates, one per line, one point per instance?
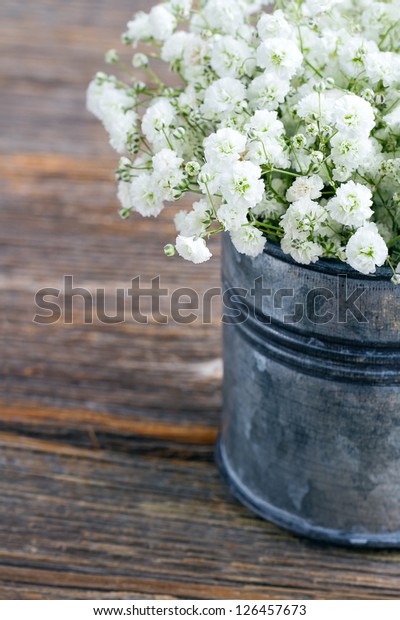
(330, 266)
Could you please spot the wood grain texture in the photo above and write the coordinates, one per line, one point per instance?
(107, 480)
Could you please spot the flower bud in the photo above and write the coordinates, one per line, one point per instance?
(206, 34)
(101, 77)
(368, 94)
(194, 116)
(192, 168)
(139, 87)
(326, 131)
(317, 157)
(124, 162)
(177, 193)
(140, 60)
(111, 57)
(319, 87)
(204, 178)
(126, 39)
(299, 141)
(124, 213)
(242, 105)
(169, 92)
(179, 133)
(169, 250)
(312, 129)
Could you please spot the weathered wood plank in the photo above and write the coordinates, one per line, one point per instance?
(134, 521)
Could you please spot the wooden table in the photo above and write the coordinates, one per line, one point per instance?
(108, 487)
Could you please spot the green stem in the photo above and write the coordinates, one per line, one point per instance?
(211, 200)
(272, 230)
(389, 262)
(291, 174)
(167, 139)
(392, 27)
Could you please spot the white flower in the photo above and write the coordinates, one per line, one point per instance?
(268, 151)
(353, 116)
(167, 172)
(302, 251)
(188, 100)
(353, 56)
(303, 217)
(181, 8)
(193, 249)
(174, 47)
(195, 57)
(241, 184)
(274, 25)
(111, 105)
(158, 118)
(223, 15)
(93, 98)
(232, 57)
(166, 161)
(351, 205)
(317, 106)
(287, 116)
(124, 195)
(383, 66)
(223, 96)
(120, 125)
(366, 249)
(209, 179)
(267, 91)
(224, 147)
(145, 196)
(305, 187)
(281, 57)
(104, 98)
(193, 223)
(232, 215)
(162, 22)
(248, 240)
(265, 124)
(349, 153)
(139, 28)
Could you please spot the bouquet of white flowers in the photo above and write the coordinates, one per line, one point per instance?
(284, 126)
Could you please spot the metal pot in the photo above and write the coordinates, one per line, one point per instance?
(310, 438)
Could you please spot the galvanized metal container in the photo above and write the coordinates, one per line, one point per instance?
(311, 427)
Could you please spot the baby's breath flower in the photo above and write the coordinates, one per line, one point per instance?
(283, 121)
(299, 141)
(169, 250)
(112, 57)
(193, 249)
(366, 249)
(248, 240)
(192, 168)
(140, 60)
(317, 157)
